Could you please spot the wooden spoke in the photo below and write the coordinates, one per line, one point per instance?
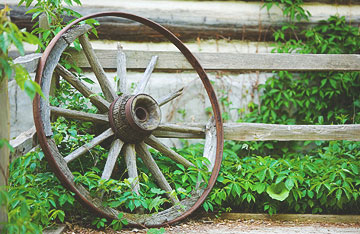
(109, 93)
(184, 128)
(171, 96)
(130, 159)
(196, 131)
(209, 147)
(149, 69)
(121, 69)
(79, 115)
(97, 100)
(159, 146)
(114, 152)
(210, 143)
(85, 148)
(150, 163)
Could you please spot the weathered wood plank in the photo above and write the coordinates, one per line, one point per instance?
(166, 151)
(130, 160)
(150, 163)
(79, 115)
(163, 100)
(85, 148)
(269, 132)
(140, 88)
(210, 143)
(4, 150)
(97, 100)
(169, 60)
(192, 19)
(121, 69)
(29, 61)
(114, 152)
(182, 128)
(23, 143)
(92, 59)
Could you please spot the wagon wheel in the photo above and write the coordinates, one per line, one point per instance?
(131, 123)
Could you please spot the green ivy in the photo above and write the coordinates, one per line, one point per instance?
(10, 34)
(326, 181)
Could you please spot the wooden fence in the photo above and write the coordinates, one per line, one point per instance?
(234, 62)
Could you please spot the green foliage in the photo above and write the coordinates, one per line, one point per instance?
(4, 142)
(325, 181)
(278, 191)
(55, 12)
(314, 177)
(308, 97)
(35, 197)
(12, 35)
(117, 224)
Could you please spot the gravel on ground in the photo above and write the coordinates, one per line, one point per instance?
(223, 226)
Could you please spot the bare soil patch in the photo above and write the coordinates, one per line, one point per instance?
(206, 224)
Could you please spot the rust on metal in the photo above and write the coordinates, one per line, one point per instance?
(191, 59)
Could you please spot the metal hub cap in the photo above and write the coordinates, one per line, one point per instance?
(134, 117)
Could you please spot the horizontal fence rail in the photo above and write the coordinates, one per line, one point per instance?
(222, 61)
(267, 132)
(169, 60)
(232, 131)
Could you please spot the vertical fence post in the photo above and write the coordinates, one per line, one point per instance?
(4, 151)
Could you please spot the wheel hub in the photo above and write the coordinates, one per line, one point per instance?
(134, 117)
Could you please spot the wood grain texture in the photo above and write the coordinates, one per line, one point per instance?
(269, 132)
(23, 143)
(166, 151)
(85, 148)
(95, 99)
(140, 88)
(98, 70)
(114, 152)
(229, 61)
(182, 128)
(4, 150)
(121, 69)
(192, 19)
(210, 143)
(163, 100)
(29, 61)
(130, 160)
(150, 163)
(79, 115)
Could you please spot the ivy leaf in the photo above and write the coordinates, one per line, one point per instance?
(18, 44)
(278, 191)
(338, 194)
(289, 183)
(354, 168)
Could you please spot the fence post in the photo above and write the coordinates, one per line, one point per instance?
(4, 151)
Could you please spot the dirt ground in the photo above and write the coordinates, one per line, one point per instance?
(223, 226)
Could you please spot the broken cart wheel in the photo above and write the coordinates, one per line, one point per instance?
(130, 122)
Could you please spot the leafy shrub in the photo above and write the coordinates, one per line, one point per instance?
(310, 177)
(326, 181)
(36, 198)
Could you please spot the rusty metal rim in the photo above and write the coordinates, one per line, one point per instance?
(191, 59)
